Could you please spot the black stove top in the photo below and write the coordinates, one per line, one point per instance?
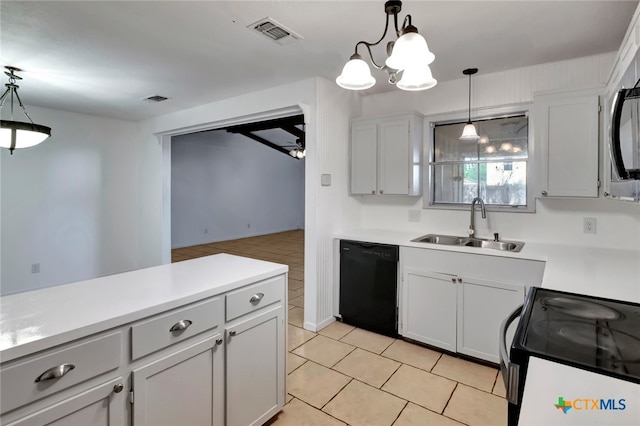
(598, 334)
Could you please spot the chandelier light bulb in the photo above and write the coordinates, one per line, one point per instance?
(356, 75)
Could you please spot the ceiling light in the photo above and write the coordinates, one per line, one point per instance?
(18, 134)
(409, 54)
(469, 132)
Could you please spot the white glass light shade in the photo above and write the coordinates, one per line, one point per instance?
(417, 78)
(506, 146)
(409, 50)
(490, 149)
(26, 134)
(356, 75)
(469, 133)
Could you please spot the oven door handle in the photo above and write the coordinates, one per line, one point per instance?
(510, 371)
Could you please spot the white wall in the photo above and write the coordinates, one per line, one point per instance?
(556, 220)
(226, 186)
(70, 204)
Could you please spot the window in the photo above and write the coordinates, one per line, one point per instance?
(494, 168)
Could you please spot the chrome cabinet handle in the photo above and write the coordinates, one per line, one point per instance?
(181, 325)
(459, 280)
(453, 280)
(55, 372)
(544, 193)
(373, 191)
(256, 298)
(381, 191)
(232, 333)
(218, 341)
(510, 371)
(118, 388)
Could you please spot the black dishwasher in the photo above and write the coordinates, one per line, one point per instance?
(368, 286)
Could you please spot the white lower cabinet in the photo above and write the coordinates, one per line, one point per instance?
(427, 314)
(186, 387)
(482, 306)
(254, 367)
(457, 301)
(101, 405)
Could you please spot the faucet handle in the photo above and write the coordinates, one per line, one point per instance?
(496, 236)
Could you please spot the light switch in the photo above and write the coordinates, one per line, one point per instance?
(325, 180)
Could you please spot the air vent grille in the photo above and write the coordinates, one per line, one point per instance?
(275, 31)
(155, 98)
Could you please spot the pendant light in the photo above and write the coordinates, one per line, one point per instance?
(18, 134)
(409, 55)
(469, 132)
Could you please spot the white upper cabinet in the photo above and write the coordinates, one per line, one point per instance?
(566, 134)
(386, 156)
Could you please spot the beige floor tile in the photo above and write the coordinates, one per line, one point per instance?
(324, 351)
(298, 301)
(475, 407)
(359, 404)
(370, 368)
(367, 340)
(294, 361)
(295, 284)
(467, 372)
(498, 388)
(296, 316)
(418, 386)
(412, 354)
(414, 415)
(315, 384)
(297, 336)
(292, 294)
(289, 398)
(297, 413)
(337, 330)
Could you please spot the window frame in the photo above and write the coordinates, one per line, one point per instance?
(461, 117)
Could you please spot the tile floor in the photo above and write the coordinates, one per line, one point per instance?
(345, 375)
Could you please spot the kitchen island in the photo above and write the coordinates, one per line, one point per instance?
(207, 334)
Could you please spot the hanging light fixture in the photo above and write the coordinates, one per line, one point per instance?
(408, 55)
(298, 151)
(18, 134)
(469, 132)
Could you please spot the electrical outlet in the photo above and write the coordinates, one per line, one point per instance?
(414, 215)
(35, 268)
(206, 230)
(589, 225)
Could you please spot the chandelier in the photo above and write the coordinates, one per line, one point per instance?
(18, 134)
(408, 55)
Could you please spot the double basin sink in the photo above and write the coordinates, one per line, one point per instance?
(451, 240)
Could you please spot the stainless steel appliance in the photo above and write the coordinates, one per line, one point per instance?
(368, 286)
(572, 354)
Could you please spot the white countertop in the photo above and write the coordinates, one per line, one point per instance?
(36, 320)
(609, 273)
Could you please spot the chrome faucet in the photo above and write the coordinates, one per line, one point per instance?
(472, 224)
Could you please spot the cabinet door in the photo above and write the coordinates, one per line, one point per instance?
(100, 405)
(567, 130)
(184, 388)
(393, 157)
(364, 168)
(255, 356)
(482, 306)
(428, 308)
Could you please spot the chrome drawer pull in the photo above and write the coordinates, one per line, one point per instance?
(55, 372)
(180, 325)
(256, 298)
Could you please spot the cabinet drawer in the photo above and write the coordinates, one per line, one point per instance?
(175, 326)
(254, 297)
(27, 381)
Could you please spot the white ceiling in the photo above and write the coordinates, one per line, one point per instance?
(102, 57)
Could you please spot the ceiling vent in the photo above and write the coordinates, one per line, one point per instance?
(274, 31)
(155, 98)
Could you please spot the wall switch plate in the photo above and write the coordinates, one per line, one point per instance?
(414, 215)
(589, 225)
(325, 180)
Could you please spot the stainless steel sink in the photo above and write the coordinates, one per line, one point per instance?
(452, 240)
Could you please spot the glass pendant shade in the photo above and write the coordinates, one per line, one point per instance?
(356, 75)
(417, 78)
(24, 135)
(410, 50)
(469, 133)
